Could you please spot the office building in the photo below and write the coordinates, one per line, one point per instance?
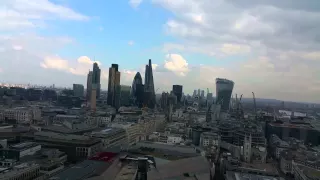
(137, 89)
(93, 101)
(202, 94)
(149, 93)
(224, 89)
(96, 74)
(25, 171)
(89, 85)
(177, 90)
(78, 90)
(114, 86)
(49, 95)
(75, 146)
(194, 93)
(125, 95)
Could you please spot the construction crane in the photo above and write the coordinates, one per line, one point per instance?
(255, 105)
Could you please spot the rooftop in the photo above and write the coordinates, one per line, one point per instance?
(76, 139)
(107, 132)
(195, 166)
(83, 170)
(23, 146)
(230, 175)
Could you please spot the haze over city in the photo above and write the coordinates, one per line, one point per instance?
(265, 46)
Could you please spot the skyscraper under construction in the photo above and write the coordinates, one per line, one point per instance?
(149, 94)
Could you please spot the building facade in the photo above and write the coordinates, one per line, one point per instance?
(224, 89)
(177, 90)
(78, 90)
(113, 86)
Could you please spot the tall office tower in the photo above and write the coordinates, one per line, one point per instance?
(164, 100)
(198, 93)
(177, 90)
(89, 85)
(194, 93)
(93, 100)
(139, 95)
(125, 95)
(149, 93)
(96, 73)
(224, 89)
(114, 86)
(202, 94)
(137, 80)
(78, 90)
(209, 99)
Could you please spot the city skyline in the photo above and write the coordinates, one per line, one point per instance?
(255, 44)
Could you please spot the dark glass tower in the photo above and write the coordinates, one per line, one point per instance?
(177, 90)
(96, 74)
(224, 89)
(149, 94)
(136, 89)
(114, 86)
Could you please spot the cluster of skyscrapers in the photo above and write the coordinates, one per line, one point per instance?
(144, 94)
(140, 94)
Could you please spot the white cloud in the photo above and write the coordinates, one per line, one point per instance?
(55, 63)
(131, 43)
(135, 3)
(17, 47)
(20, 14)
(80, 67)
(177, 64)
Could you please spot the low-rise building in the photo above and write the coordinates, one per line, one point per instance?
(111, 137)
(22, 114)
(22, 172)
(75, 146)
(208, 139)
(132, 131)
(20, 150)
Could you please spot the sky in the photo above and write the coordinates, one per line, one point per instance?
(270, 47)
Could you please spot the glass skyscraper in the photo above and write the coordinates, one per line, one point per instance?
(224, 89)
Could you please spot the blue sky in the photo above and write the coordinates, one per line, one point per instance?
(112, 25)
(263, 46)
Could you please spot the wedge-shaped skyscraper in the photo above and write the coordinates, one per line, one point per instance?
(224, 89)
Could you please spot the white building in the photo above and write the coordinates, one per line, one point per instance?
(174, 139)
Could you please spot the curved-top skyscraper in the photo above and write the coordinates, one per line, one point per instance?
(137, 89)
(224, 89)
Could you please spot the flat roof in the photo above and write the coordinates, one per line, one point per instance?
(63, 129)
(195, 165)
(231, 175)
(83, 170)
(51, 136)
(290, 125)
(23, 146)
(107, 132)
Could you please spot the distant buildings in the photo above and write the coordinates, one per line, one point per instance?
(114, 86)
(224, 89)
(177, 90)
(78, 90)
